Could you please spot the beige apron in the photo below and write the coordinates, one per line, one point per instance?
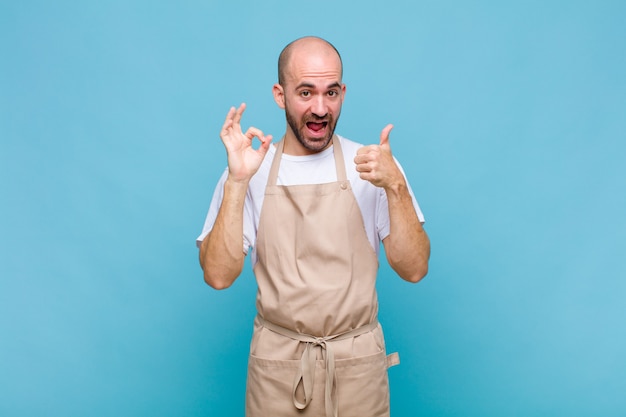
(317, 348)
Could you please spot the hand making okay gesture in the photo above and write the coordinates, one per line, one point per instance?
(376, 164)
(243, 159)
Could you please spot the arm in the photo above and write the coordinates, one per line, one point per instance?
(221, 252)
(407, 246)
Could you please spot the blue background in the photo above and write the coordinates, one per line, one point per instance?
(510, 123)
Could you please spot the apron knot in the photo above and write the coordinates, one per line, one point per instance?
(306, 372)
(319, 341)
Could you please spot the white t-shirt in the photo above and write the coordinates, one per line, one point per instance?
(310, 169)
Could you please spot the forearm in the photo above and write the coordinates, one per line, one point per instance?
(407, 246)
(221, 252)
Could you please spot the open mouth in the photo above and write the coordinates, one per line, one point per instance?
(316, 126)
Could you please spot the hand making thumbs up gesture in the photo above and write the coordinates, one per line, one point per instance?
(376, 164)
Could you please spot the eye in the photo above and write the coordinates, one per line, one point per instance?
(332, 93)
(305, 93)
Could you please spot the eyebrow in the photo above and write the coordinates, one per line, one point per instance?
(309, 85)
(334, 85)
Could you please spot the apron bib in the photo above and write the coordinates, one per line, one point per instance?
(317, 348)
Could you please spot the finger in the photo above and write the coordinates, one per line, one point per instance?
(266, 141)
(384, 135)
(253, 131)
(229, 119)
(363, 168)
(362, 159)
(365, 149)
(239, 113)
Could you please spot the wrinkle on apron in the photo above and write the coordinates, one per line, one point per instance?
(317, 305)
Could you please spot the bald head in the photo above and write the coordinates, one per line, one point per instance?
(306, 45)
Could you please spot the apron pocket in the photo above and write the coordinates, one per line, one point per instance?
(269, 390)
(363, 386)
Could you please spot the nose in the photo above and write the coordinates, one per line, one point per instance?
(318, 107)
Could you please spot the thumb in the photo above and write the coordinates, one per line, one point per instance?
(384, 135)
(266, 141)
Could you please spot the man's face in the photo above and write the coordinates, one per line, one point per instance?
(312, 97)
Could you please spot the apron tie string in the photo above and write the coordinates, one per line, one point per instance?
(306, 372)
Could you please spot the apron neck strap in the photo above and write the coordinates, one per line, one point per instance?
(340, 164)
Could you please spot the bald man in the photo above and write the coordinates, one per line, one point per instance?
(314, 208)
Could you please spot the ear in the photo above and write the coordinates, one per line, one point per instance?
(279, 95)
